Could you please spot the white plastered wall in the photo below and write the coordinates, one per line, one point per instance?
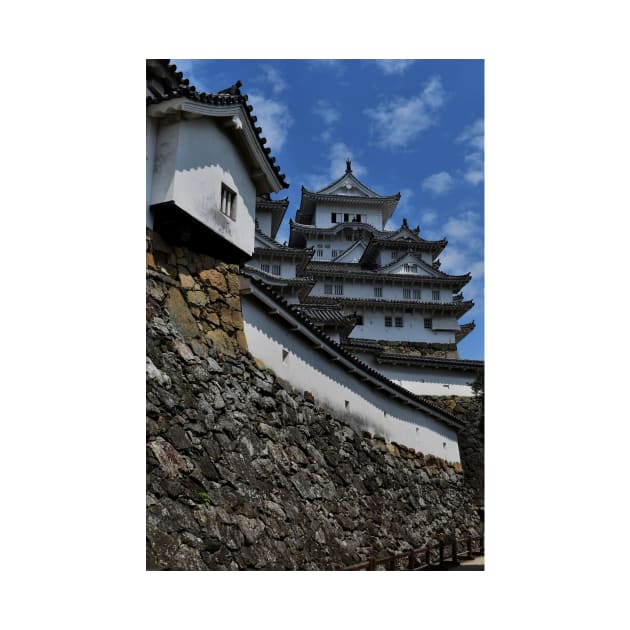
(346, 396)
(193, 159)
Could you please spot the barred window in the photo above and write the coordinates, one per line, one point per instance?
(407, 294)
(378, 291)
(393, 254)
(417, 294)
(228, 202)
(339, 289)
(335, 253)
(319, 253)
(328, 289)
(388, 321)
(435, 295)
(399, 322)
(275, 270)
(428, 322)
(264, 267)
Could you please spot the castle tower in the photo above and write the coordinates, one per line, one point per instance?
(388, 280)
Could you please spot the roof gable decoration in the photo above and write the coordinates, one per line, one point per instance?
(348, 185)
(352, 254)
(405, 233)
(410, 263)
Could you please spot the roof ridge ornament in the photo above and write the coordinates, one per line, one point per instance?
(348, 165)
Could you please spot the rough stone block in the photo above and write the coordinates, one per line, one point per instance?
(215, 279)
(180, 314)
(196, 297)
(185, 279)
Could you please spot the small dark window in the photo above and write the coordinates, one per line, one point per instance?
(428, 322)
(359, 319)
(333, 217)
(275, 270)
(228, 202)
(399, 322)
(388, 322)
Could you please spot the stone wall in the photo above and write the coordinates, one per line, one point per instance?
(245, 473)
(471, 438)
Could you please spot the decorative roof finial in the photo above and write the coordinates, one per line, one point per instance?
(348, 166)
(405, 224)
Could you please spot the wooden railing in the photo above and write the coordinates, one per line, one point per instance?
(430, 558)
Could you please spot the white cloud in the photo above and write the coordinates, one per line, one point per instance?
(464, 253)
(273, 80)
(439, 183)
(274, 118)
(465, 226)
(393, 66)
(472, 137)
(327, 112)
(428, 217)
(397, 123)
(338, 154)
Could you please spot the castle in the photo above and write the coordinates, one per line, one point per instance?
(359, 317)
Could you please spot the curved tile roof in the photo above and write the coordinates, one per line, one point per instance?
(175, 86)
(432, 408)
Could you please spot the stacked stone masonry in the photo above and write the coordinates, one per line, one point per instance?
(245, 473)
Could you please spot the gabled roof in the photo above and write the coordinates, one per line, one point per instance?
(346, 184)
(346, 191)
(264, 243)
(350, 251)
(416, 260)
(404, 239)
(277, 207)
(353, 365)
(167, 84)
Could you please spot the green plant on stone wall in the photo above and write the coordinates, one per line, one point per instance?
(205, 499)
(477, 385)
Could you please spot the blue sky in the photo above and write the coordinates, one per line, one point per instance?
(410, 126)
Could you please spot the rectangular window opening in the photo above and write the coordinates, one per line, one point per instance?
(275, 270)
(378, 291)
(435, 295)
(228, 202)
(399, 322)
(428, 322)
(328, 289)
(339, 289)
(388, 322)
(264, 267)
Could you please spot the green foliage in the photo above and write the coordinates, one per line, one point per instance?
(204, 498)
(478, 384)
